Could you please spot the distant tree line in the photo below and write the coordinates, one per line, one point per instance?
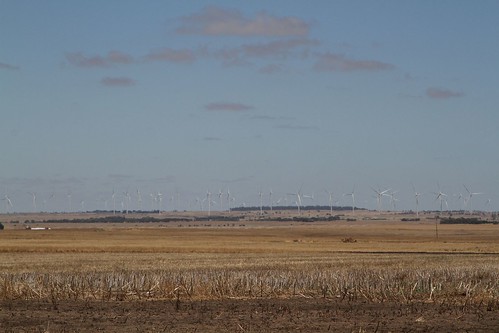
(303, 219)
(464, 220)
(307, 208)
(113, 219)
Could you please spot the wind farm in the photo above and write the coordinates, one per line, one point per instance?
(385, 200)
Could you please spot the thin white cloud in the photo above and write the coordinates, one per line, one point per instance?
(439, 93)
(281, 49)
(227, 107)
(331, 62)
(8, 66)
(78, 59)
(171, 55)
(231, 57)
(217, 21)
(277, 48)
(118, 57)
(118, 82)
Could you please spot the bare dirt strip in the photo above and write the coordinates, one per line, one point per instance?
(253, 315)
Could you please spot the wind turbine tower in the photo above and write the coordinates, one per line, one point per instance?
(139, 200)
(208, 197)
(220, 194)
(416, 196)
(113, 197)
(379, 197)
(470, 196)
(8, 203)
(352, 194)
(330, 201)
(160, 200)
(298, 200)
(440, 197)
(270, 199)
(69, 195)
(33, 196)
(260, 194)
(228, 199)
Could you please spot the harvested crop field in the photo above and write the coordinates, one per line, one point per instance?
(249, 275)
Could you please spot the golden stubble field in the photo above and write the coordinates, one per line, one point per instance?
(376, 261)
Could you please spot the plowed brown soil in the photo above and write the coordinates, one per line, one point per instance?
(254, 315)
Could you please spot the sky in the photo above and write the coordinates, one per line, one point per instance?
(185, 97)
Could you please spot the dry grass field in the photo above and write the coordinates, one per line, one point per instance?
(374, 274)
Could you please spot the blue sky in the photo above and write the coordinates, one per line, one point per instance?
(194, 96)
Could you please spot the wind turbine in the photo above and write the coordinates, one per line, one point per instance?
(260, 194)
(379, 197)
(208, 198)
(330, 201)
(127, 198)
(298, 199)
(113, 197)
(470, 196)
(51, 196)
(393, 200)
(270, 199)
(416, 196)
(33, 195)
(139, 200)
(69, 195)
(200, 203)
(159, 197)
(228, 199)
(465, 201)
(306, 196)
(352, 194)
(220, 194)
(440, 196)
(487, 204)
(8, 203)
(153, 200)
(172, 202)
(278, 201)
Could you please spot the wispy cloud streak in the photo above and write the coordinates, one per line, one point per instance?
(281, 49)
(277, 48)
(217, 21)
(8, 66)
(297, 127)
(172, 55)
(331, 62)
(439, 93)
(227, 107)
(78, 59)
(117, 82)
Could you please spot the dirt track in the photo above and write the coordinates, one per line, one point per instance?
(256, 315)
